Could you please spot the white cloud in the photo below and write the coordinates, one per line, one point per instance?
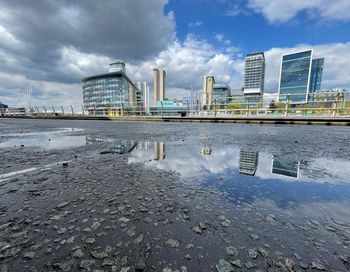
(281, 11)
(195, 23)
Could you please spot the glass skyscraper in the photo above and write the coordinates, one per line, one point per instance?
(295, 77)
(316, 75)
(110, 93)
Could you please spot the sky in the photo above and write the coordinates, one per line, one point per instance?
(51, 45)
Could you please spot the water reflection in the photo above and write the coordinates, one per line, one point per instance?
(285, 168)
(249, 175)
(248, 162)
(58, 139)
(112, 145)
(159, 151)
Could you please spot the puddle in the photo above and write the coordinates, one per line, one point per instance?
(248, 175)
(57, 139)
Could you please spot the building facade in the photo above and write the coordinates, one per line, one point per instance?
(112, 93)
(143, 95)
(254, 74)
(158, 85)
(316, 75)
(295, 77)
(220, 94)
(208, 86)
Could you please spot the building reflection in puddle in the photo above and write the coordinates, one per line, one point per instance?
(248, 162)
(159, 151)
(285, 168)
(111, 145)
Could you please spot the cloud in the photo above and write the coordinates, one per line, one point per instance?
(36, 35)
(281, 11)
(195, 24)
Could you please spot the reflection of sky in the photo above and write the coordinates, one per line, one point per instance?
(48, 140)
(319, 180)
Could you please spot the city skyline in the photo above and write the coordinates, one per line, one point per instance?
(187, 45)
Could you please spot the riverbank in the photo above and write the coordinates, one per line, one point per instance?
(287, 120)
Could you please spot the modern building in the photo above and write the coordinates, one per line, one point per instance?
(112, 93)
(158, 85)
(3, 108)
(208, 86)
(254, 74)
(142, 96)
(220, 94)
(316, 75)
(300, 76)
(159, 151)
(248, 162)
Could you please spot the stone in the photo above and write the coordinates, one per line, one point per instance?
(197, 229)
(62, 205)
(95, 225)
(138, 239)
(172, 243)
(250, 265)
(29, 255)
(124, 220)
(263, 252)
(107, 262)
(78, 253)
(237, 263)
(232, 251)
(252, 253)
(99, 255)
(223, 266)
(90, 240)
(85, 264)
(316, 264)
(131, 232)
(254, 236)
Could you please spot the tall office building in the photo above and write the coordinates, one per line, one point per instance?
(316, 75)
(208, 86)
(254, 74)
(158, 85)
(295, 77)
(144, 95)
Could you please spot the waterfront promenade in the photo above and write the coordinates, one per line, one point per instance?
(253, 119)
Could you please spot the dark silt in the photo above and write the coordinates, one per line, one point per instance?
(120, 196)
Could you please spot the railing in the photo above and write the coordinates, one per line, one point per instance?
(330, 104)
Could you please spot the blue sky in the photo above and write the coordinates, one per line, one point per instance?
(187, 38)
(249, 30)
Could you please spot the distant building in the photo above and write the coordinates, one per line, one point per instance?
(254, 74)
(300, 76)
(158, 85)
(248, 162)
(220, 94)
(208, 86)
(112, 93)
(143, 95)
(3, 109)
